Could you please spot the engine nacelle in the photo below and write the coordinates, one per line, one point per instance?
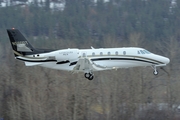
(67, 54)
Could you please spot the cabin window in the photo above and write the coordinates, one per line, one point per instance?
(101, 53)
(93, 54)
(109, 53)
(139, 52)
(124, 52)
(116, 52)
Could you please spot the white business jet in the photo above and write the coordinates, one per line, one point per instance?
(83, 60)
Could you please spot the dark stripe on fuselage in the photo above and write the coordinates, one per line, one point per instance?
(135, 59)
(73, 63)
(36, 60)
(63, 62)
(95, 59)
(101, 59)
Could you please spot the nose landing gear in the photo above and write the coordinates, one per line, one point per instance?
(89, 76)
(155, 72)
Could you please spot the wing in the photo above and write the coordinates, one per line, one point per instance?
(86, 65)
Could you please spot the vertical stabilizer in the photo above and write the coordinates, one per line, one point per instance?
(19, 43)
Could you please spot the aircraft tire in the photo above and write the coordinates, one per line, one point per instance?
(91, 77)
(155, 72)
(87, 75)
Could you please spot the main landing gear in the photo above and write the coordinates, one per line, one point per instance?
(89, 76)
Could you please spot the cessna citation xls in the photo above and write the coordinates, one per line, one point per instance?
(83, 60)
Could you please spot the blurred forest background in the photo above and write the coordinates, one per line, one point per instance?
(36, 93)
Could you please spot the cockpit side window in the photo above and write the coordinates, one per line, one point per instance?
(147, 52)
(142, 51)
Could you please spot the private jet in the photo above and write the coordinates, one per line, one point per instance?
(83, 60)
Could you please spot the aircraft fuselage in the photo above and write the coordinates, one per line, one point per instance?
(106, 58)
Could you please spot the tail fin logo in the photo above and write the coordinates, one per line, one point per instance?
(20, 42)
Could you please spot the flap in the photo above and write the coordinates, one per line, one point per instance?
(32, 64)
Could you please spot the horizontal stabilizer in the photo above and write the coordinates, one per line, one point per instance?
(32, 64)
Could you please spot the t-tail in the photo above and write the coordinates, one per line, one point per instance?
(19, 43)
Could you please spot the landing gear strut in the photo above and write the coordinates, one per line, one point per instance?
(155, 72)
(89, 76)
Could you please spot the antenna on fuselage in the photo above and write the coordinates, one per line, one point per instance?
(92, 47)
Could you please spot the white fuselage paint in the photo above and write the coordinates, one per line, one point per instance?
(105, 58)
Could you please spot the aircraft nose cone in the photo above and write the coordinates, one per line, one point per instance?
(166, 60)
(162, 59)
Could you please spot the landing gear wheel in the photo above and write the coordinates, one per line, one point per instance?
(155, 72)
(87, 75)
(91, 77)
